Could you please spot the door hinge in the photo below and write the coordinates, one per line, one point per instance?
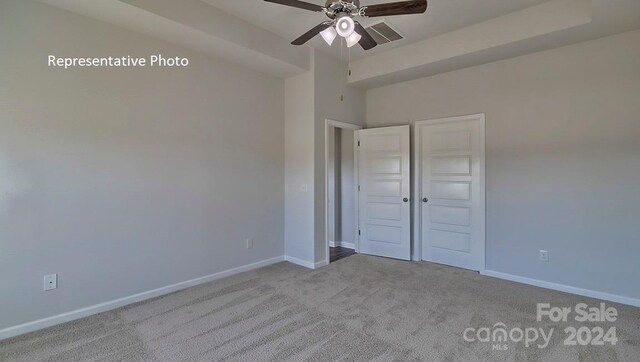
(358, 143)
(358, 232)
(358, 187)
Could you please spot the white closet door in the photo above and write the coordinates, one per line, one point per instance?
(451, 166)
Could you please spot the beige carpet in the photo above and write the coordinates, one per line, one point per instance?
(359, 308)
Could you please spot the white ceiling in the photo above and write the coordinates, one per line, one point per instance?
(452, 34)
(552, 24)
(442, 16)
(199, 26)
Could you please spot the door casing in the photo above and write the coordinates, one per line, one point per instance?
(337, 124)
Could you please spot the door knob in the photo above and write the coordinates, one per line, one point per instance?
(424, 199)
(405, 199)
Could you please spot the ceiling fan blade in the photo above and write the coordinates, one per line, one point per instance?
(397, 8)
(297, 4)
(310, 34)
(367, 42)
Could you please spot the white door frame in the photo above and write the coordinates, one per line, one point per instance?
(337, 124)
(417, 172)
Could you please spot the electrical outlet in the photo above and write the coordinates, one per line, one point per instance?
(249, 243)
(544, 255)
(50, 281)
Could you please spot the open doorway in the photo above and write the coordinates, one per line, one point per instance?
(341, 189)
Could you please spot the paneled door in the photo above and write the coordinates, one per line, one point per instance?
(384, 192)
(450, 167)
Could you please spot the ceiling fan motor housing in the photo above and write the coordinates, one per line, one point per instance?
(337, 9)
(355, 2)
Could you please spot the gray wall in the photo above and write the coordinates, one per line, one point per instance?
(337, 192)
(299, 167)
(330, 84)
(562, 160)
(340, 186)
(310, 99)
(122, 181)
(333, 185)
(347, 193)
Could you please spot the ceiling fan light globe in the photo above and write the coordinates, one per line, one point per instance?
(345, 26)
(353, 39)
(329, 35)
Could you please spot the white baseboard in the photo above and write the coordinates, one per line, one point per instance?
(565, 288)
(117, 303)
(304, 263)
(344, 244)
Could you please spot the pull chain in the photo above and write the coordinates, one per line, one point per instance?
(349, 63)
(341, 58)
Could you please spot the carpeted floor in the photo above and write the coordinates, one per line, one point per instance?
(359, 308)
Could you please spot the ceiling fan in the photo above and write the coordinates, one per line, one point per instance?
(341, 14)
